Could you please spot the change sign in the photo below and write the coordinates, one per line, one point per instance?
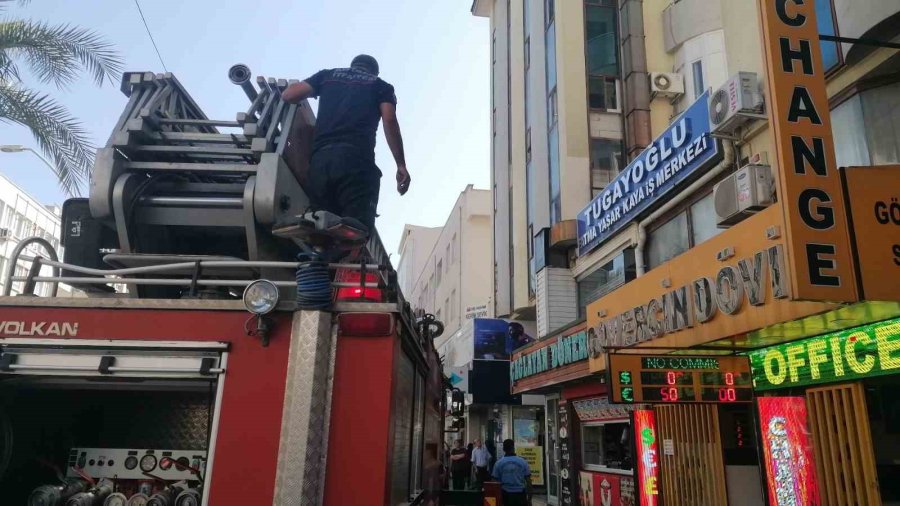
(673, 157)
(870, 350)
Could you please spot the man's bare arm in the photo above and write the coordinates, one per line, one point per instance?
(297, 92)
(395, 142)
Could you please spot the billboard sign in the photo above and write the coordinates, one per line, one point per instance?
(789, 458)
(496, 339)
(677, 154)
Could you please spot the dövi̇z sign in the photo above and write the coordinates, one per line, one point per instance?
(695, 303)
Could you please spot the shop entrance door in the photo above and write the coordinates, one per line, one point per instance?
(552, 417)
(845, 462)
(693, 471)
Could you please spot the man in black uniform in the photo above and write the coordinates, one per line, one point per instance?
(343, 177)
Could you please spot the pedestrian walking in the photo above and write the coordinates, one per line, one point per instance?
(481, 459)
(514, 476)
(458, 465)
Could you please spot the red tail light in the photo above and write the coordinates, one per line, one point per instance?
(357, 293)
(365, 324)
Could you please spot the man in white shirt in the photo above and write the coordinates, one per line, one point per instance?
(481, 459)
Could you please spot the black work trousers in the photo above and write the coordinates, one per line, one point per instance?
(515, 498)
(344, 182)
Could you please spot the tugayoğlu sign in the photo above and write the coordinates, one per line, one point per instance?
(673, 157)
(695, 303)
(870, 350)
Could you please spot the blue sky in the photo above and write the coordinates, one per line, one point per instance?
(434, 52)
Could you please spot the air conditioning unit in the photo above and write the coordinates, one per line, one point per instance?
(5, 234)
(744, 193)
(666, 84)
(735, 103)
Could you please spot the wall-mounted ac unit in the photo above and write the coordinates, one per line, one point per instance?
(666, 84)
(5, 234)
(744, 193)
(735, 103)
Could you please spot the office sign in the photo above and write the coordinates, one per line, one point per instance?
(870, 350)
(873, 197)
(678, 379)
(680, 152)
(788, 451)
(809, 184)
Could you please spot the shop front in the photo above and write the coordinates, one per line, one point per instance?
(549, 367)
(832, 399)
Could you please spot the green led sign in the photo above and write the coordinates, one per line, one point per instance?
(860, 352)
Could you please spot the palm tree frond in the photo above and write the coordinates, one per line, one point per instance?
(55, 53)
(57, 133)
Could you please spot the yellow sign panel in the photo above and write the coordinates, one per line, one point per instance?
(874, 200)
(534, 455)
(732, 284)
(809, 186)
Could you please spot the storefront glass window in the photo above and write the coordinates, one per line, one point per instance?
(606, 446)
(668, 241)
(703, 220)
(605, 279)
(527, 421)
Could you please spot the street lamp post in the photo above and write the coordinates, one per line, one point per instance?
(15, 148)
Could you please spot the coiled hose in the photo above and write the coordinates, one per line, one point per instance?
(314, 289)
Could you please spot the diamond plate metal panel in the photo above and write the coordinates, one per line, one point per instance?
(304, 432)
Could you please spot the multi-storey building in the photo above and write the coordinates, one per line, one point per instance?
(676, 252)
(447, 269)
(21, 216)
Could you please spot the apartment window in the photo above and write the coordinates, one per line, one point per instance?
(453, 256)
(447, 309)
(602, 45)
(527, 145)
(454, 306)
(555, 185)
(549, 12)
(605, 278)
(494, 122)
(494, 46)
(606, 446)
(691, 226)
(606, 155)
(603, 93)
(449, 256)
(439, 271)
(697, 71)
(832, 57)
(437, 315)
(527, 53)
(552, 108)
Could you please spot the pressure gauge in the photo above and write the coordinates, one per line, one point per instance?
(131, 462)
(166, 463)
(148, 463)
(117, 499)
(140, 499)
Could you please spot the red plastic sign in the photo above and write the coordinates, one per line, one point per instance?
(790, 468)
(647, 457)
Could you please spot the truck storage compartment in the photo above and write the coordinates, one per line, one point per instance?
(136, 434)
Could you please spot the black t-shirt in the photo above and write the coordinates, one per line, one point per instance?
(349, 107)
(461, 465)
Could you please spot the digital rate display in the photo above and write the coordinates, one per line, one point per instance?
(666, 379)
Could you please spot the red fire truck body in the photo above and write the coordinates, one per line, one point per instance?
(208, 364)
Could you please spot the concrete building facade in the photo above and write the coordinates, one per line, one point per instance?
(453, 276)
(21, 216)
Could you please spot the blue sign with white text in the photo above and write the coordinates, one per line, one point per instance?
(673, 157)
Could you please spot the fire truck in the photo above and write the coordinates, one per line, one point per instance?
(234, 347)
